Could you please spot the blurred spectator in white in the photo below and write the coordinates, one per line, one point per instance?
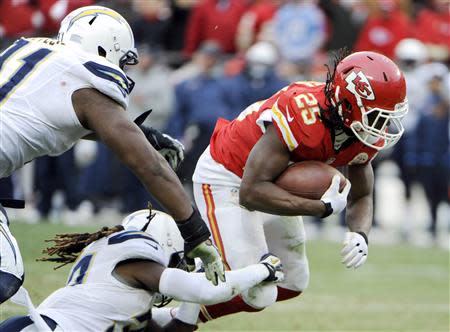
(386, 25)
(255, 24)
(214, 20)
(257, 81)
(152, 25)
(152, 90)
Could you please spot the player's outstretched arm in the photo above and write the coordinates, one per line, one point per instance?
(267, 160)
(193, 287)
(107, 120)
(359, 215)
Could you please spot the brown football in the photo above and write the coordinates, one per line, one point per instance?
(308, 179)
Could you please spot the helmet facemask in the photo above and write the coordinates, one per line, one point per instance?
(163, 229)
(380, 128)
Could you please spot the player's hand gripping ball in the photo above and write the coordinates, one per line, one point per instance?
(309, 179)
(316, 180)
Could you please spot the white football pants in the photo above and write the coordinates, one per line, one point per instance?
(243, 236)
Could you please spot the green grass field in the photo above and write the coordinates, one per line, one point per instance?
(400, 288)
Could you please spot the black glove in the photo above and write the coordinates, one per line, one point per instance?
(170, 148)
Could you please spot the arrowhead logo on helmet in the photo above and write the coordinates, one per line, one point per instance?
(359, 85)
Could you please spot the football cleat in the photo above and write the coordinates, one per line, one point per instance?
(273, 264)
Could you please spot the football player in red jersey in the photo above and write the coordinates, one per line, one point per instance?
(343, 122)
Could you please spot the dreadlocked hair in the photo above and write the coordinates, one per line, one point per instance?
(330, 115)
(67, 247)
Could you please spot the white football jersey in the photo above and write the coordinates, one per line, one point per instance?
(93, 299)
(37, 79)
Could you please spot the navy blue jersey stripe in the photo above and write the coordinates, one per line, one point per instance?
(109, 74)
(11, 50)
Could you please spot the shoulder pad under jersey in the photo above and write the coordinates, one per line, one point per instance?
(136, 245)
(295, 116)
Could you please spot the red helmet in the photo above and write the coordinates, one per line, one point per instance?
(370, 92)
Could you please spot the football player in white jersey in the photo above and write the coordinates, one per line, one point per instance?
(118, 274)
(55, 92)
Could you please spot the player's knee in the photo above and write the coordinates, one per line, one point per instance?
(260, 297)
(297, 276)
(9, 285)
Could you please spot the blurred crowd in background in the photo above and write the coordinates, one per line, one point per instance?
(204, 59)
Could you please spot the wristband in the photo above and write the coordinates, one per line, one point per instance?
(193, 230)
(328, 209)
(364, 236)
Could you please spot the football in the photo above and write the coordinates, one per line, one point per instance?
(308, 179)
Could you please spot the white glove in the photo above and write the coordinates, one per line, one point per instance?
(335, 200)
(355, 250)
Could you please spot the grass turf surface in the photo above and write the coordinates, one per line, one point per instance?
(400, 288)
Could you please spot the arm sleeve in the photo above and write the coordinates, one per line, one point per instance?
(194, 287)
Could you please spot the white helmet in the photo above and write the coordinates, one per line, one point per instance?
(101, 31)
(163, 229)
(262, 52)
(411, 49)
(160, 226)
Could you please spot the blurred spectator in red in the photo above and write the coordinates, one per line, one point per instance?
(55, 10)
(386, 25)
(433, 28)
(152, 25)
(19, 18)
(214, 20)
(255, 22)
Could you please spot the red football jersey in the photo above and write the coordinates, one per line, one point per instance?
(294, 112)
